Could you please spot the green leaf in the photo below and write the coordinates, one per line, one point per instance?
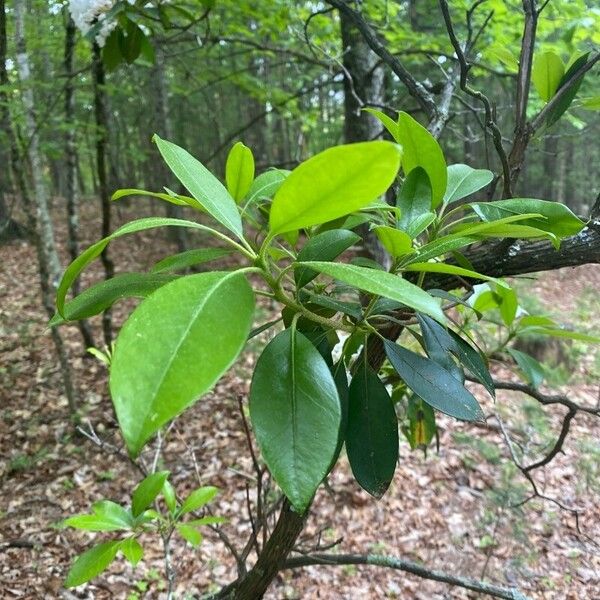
(171, 198)
(353, 309)
(95, 523)
(387, 122)
(147, 491)
(421, 149)
(561, 333)
(91, 563)
(202, 184)
(414, 198)
(130, 43)
(166, 357)
(468, 356)
(334, 183)
(565, 102)
(419, 224)
(421, 427)
(464, 181)
(557, 218)
(266, 185)
(295, 412)
(441, 246)
(111, 52)
(100, 296)
(93, 251)
(532, 370)
(509, 304)
(189, 258)
(198, 498)
(372, 432)
(433, 383)
(396, 242)
(592, 103)
(169, 495)
(132, 550)
(438, 267)
(547, 73)
(323, 246)
(190, 534)
(383, 284)
(239, 171)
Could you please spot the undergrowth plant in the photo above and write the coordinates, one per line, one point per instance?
(314, 388)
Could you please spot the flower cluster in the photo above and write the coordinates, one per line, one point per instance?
(87, 12)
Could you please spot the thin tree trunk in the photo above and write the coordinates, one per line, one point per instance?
(39, 216)
(71, 166)
(101, 153)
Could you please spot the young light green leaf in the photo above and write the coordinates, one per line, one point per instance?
(295, 412)
(198, 498)
(323, 246)
(464, 181)
(189, 258)
(334, 183)
(175, 329)
(383, 284)
(170, 496)
(548, 70)
(93, 251)
(434, 384)
(173, 199)
(147, 491)
(100, 296)
(190, 534)
(396, 242)
(441, 246)
(556, 218)
(91, 563)
(371, 433)
(421, 149)
(239, 171)
(387, 122)
(202, 184)
(438, 267)
(414, 199)
(565, 101)
(132, 550)
(94, 523)
(266, 185)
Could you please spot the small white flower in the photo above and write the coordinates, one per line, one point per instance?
(86, 12)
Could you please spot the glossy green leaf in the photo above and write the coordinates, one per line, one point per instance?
(421, 149)
(296, 415)
(434, 384)
(170, 496)
(91, 563)
(173, 199)
(441, 246)
(532, 370)
(198, 498)
(147, 491)
(190, 534)
(468, 356)
(97, 522)
(509, 304)
(100, 296)
(372, 432)
(419, 224)
(323, 246)
(387, 122)
(189, 258)
(565, 102)
(547, 73)
(396, 242)
(557, 218)
(438, 267)
(239, 171)
(414, 198)
(353, 309)
(334, 183)
(383, 284)
(464, 181)
(166, 357)
(132, 550)
(202, 184)
(93, 251)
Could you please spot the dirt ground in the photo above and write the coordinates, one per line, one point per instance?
(452, 510)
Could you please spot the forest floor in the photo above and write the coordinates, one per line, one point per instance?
(451, 510)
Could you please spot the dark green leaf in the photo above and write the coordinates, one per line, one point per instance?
(372, 432)
(323, 246)
(189, 258)
(295, 412)
(434, 384)
(414, 199)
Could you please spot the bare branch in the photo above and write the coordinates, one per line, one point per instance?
(399, 564)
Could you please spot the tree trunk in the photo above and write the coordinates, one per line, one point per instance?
(71, 195)
(39, 216)
(101, 154)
